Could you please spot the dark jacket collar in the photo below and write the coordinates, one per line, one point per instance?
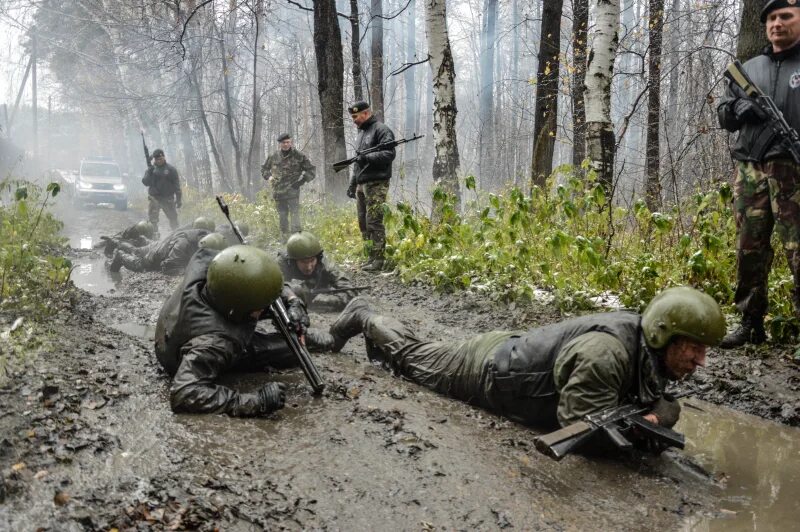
(783, 54)
(371, 120)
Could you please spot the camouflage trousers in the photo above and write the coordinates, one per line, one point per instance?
(288, 207)
(155, 204)
(766, 195)
(370, 198)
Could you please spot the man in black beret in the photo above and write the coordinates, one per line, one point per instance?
(287, 169)
(369, 182)
(766, 187)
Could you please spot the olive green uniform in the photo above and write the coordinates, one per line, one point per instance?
(557, 373)
(288, 171)
(169, 255)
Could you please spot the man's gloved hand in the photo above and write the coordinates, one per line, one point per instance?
(747, 110)
(667, 411)
(351, 190)
(330, 301)
(298, 315)
(273, 397)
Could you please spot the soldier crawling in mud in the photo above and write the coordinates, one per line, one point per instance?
(163, 190)
(307, 270)
(287, 169)
(557, 373)
(138, 235)
(169, 255)
(767, 181)
(208, 326)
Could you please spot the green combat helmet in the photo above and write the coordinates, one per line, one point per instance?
(242, 279)
(212, 241)
(303, 245)
(145, 229)
(203, 223)
(682, 311)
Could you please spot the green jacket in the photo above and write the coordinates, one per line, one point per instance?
(577, 367)
(287, 172)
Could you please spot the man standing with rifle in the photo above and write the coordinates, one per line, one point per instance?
(369, 182)
(163, 188)
(559, 373)
(768, 173)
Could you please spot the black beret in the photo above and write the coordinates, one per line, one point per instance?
(358, 107)
(158, 152)
(284, 136)
(772, 5)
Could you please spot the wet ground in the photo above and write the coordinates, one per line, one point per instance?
(87, 440)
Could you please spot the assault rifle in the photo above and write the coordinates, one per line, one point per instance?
(146, 152)
(614, 422)
(284, 325)
(791, 140)
(341, 165)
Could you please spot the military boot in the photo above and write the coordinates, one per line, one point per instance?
(350, 322)
(374, 265)
(318, 340)
(116, 262)
(751, 331)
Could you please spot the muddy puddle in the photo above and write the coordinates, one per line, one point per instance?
(92, 275)
(754, 463)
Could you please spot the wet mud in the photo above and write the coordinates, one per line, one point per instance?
(88, 442)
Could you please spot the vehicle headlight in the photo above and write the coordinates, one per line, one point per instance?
(119, 187)
(83, 185)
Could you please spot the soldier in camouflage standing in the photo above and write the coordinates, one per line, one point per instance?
(288, 169)
(369, 183)
(163, 190)
(766, 186)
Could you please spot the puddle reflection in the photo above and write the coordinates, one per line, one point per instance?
(94, 277)
(758, 462)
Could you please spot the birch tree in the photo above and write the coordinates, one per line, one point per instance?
(653, 151)
(376, 60)
(445, 158)
(580, 23)
(604, 40)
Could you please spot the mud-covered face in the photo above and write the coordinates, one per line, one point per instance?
(783, 28)
(307, 266)
(683, 356)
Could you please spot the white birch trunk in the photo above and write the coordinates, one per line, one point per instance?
(445, 159)
(603, 44)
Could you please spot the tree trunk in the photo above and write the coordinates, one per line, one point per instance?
(751, 31)
(330, 86)
(445, 159)
(580, 22)
(600, 68)
(545, 112)
(486, 144)
(653, 153)
(256, 140)
(218, 160)
(355, 38)
(410, 152)
(376, 60)
(226, 91)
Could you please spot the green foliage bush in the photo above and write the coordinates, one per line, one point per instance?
(33, 274)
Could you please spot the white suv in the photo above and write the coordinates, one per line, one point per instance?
(100, 181)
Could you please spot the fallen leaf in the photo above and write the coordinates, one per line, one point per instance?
(40, 474)
(18, 466)
(61, 498)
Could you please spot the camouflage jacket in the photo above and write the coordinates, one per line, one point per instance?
(325, 275)
(163, 182)
(196, 344)
(287, 172)
(586, 364)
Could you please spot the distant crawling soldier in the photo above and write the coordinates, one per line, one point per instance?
(169, 255)
(558, 373)
(208, 327)
(163, 190)
(230, 237)
(369, 182)
(140, 234)
(304, 264)
(288, 169)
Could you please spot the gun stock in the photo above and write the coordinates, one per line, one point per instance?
(283, 323)
(341, 165)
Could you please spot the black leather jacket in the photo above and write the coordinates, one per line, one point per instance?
(778, 76)
(377, 166)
